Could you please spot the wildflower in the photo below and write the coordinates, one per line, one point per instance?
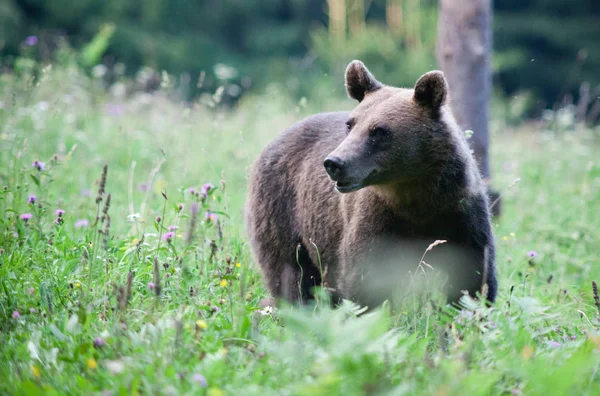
(553, 344)
(527, 352)
(515, 391)
(86, 193)
(143, 187)
(201, 324)
(215, 309)
(573, 338)
(32, 310)
(505, 238)
(82, 223)
(206, 188)
(114, 110)
(512, 234)
(16, 314)
(158, 219)
(77, 284)
(99, 342)
(215, 392)
(60, 212)
(151, 285)
(223, 283)
(30, 41)
(35, 371)
(266, 311)
(173, 228)
(26, 216)
(210, 217)
(39, 165)
(58, 221)
(91, 363)
(133, 217)
(532, 254)
(200, 379)
(169, 236)
(238, 265)
(31, 291)
(32, 199)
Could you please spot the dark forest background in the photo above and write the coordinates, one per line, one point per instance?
(546, 49)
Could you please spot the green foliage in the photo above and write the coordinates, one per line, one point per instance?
(73, 320)
(547, 46)
(91, 54)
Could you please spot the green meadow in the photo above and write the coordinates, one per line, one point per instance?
(140, 281)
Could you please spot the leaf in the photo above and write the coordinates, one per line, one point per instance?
(57, 333)
(36, 180)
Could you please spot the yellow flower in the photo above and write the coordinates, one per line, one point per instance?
(527, 352)
(223, 282)
(505, 238)
(238, 265)
(215, 392)
(201, 324)
(77, 284)
(35, 371)
(512, 234)
(91, 363)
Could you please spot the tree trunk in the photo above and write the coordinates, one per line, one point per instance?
(464, 48)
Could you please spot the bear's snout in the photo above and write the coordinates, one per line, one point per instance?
(333, 166)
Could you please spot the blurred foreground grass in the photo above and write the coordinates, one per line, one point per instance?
(146, 307)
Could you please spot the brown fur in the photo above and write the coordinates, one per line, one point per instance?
(410, 180)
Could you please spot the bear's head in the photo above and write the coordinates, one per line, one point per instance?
(394, 135)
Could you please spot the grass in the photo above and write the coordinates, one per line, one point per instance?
(130, 311)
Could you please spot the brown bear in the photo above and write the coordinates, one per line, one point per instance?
(353, 199)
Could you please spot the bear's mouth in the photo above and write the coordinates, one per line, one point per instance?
(347, 187)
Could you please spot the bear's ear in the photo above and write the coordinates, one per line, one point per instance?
(359, 81)
(431, 89)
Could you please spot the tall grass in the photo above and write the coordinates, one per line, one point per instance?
(165, 299)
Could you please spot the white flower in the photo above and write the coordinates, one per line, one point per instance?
(133, 217)
(267, 311)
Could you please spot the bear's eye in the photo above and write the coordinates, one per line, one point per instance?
(348, 126)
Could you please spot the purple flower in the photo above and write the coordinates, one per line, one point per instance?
(16, 314)
(86, 193)
(143, 187)
(532, 254)
(99, 342)
(200, 379)
(573, 337)
(60, 212)
(173, 228)
(31, 291)
(169, 236)
(151, 286)
(114, 110)
(210, 217)
(191, 190)
(26, 216)
(515, 391)
(32, 199)
(39, 165)
(32, 310)
(82, 223)
(553, 344)
(206, 189)
(30, 41)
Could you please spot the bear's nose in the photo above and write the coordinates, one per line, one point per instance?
(333, 166)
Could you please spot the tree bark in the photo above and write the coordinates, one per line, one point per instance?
(463, 52)
(464, 48)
